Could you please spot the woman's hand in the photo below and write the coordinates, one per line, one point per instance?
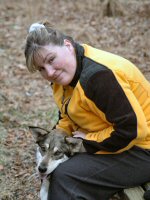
(78, 134)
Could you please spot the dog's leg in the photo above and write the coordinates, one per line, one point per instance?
(44, 189)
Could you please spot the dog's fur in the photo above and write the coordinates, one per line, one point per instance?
(54, 147)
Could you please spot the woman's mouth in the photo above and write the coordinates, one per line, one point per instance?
(56, 77)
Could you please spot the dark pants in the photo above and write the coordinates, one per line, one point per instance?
(97, 177)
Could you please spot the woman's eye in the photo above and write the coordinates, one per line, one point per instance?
(51, 60)
(41, 69)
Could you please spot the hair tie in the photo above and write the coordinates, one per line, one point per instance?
(35, 26)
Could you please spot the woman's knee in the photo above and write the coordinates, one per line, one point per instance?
(69, 168)
(62, 182)
(60, 175)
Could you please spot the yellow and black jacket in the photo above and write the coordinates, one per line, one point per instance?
(108, 99)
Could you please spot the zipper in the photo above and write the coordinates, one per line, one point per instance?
(65, 103)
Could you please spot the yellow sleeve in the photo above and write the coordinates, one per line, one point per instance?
(66, 124)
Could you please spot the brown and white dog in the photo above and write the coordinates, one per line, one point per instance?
(53, 148)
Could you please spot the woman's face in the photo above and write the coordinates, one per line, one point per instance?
(57, 64)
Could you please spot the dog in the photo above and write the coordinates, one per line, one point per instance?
(53, 148)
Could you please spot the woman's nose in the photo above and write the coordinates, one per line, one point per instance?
(49, 70)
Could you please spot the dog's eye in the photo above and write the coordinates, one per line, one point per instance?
(43, 149)
(56, 153)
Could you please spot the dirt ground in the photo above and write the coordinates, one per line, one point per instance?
(25, 99)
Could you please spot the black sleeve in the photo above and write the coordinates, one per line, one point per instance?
(107, 94)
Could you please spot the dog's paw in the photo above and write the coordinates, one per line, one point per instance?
(45, 197)
(44, 190)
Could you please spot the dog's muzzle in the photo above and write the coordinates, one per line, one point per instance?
(42, 169)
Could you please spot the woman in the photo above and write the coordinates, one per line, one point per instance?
(103, 99)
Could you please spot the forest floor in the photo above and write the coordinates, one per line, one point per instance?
(25, 99)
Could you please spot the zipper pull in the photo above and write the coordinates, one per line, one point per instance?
(63, 97)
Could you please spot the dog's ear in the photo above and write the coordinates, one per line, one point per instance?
(75, 145)
(38, 133)
(71, 140)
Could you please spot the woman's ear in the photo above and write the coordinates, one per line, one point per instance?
(68, 44)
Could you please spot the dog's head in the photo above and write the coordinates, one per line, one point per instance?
(54, 147)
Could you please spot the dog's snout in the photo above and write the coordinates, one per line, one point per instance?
(42, 169)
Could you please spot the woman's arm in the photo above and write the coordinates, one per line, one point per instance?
(112, 94)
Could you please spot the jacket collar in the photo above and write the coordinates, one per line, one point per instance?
(79, 50)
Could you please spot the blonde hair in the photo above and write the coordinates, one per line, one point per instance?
(39, 37)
